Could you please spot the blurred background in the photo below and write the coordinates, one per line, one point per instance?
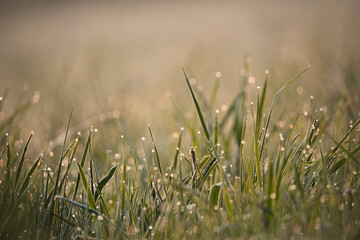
(123, 60)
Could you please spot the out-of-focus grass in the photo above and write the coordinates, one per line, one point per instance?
(288, 170)
(126, 56)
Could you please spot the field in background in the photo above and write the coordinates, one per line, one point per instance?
(126, 56)
(119, 66)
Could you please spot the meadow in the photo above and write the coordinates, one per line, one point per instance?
(114, 124)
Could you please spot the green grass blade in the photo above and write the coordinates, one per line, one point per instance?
(22, 159)
(156, 152)
(176, 157)
(214, 91)
(260, 108)
(83, 158)
(123, 192)
(62, 153)
(69, 164)
(104, 181)
(272, 106)
(258, 163)
(8, 166)
(62, 219)
(28, 176)
(91, 200)
(343, 149)
(54, 192)
(346, 135)
(214, 195)
(90, 209)
(203, 124)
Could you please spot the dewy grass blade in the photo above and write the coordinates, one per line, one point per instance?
(70, 163)
(176, 157)
(272, 106)
(28, 176)
(346, 135)
(52, 205)
(22, 159)
(258, 163)
(203, 124)
(156, 151)
(123, 190)
(343, 149)
(104, 181)
(83, 158)
(92, 210)
(65, 220)
(91, 200)
(8, 165)
(262, 101)
(279, 172)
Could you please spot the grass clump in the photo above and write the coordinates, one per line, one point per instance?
(244, 177)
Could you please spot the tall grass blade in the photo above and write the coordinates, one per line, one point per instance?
(22, 159)
(91, 200)
(83, 158)
(28, 176)
(52, 205)
(203, 124)
(272, 106)
(156, 152)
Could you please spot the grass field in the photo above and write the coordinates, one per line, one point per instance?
(139, 121)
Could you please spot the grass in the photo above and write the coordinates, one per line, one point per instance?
(244, 177)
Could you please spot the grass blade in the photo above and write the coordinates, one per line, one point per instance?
(28, 175)
(214, 195)
(156, 152)
(22, 159)
(91, 200)
(104, 181)
(272, 106)
(83, 157)
(203, 124)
